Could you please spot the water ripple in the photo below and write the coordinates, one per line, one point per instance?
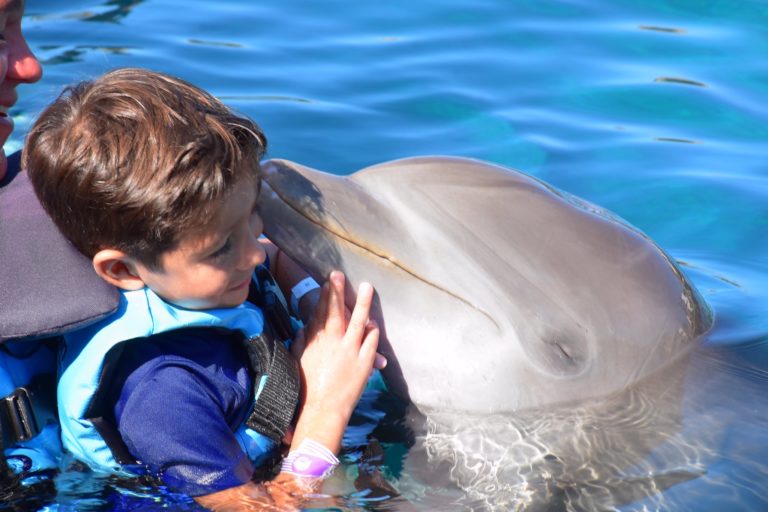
(683, 81)
(668, 30)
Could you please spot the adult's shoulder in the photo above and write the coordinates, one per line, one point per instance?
(46, 285)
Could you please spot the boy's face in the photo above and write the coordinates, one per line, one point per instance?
(212, 268)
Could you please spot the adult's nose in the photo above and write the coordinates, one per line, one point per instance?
(23, 66)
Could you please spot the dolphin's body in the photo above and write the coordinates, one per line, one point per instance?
(495, 291)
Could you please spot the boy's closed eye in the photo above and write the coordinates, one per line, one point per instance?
(223, 250)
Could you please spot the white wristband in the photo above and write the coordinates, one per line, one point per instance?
(303, 287)
(310, 460)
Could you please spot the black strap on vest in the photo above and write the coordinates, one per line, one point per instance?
(266, 294)
(276, 405)
(275, 408)
(27, 410)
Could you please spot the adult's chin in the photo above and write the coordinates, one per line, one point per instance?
(6, 127)
(3, 164)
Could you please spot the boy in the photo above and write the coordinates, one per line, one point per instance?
(156, 182)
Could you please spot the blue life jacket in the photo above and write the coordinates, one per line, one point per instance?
(140, 314)
(46, 287)
(30, 432)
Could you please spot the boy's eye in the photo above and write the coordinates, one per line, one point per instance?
(224, 249)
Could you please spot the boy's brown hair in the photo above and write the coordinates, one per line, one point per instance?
(135, 159)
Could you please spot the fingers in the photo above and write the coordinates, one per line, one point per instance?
(359, 319)
(379, 362)
(333, 318)
(370, 344)
(321, 310)
(335, 321)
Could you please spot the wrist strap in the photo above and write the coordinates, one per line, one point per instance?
(311, 459)
(303, 287)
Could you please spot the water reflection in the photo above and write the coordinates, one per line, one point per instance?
(70, 55)
(668, 30)
(222, 44)
(675, 139)
(676, 80)
(116, 11)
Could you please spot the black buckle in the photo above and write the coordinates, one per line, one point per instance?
(18, 417)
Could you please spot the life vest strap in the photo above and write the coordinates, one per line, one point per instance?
(267, 295)
(276, 404)
(17, 417)
(26, 410)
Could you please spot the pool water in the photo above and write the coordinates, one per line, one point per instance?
(655, 110)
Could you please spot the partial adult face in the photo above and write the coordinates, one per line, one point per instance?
(213, 267)
(17, 65)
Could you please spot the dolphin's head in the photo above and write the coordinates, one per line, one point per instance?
(293, 210)
(495, 292)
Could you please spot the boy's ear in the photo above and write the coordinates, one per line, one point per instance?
(118, 269)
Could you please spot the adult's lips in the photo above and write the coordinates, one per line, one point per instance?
(4, 117)
(6, 124)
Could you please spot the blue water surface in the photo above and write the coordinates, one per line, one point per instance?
(652, 109)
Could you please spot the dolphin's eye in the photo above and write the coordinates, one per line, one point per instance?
(559, 354)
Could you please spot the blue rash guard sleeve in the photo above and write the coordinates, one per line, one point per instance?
(181, 401)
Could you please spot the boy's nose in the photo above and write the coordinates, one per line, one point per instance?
(255, 253)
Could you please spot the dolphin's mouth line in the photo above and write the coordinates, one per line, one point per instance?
(413, 274)
(391, 260)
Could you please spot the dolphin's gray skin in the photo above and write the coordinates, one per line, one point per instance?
(496, 292)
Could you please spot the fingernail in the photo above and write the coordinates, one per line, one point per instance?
(365, 288)
(380, 362)
(337, 275)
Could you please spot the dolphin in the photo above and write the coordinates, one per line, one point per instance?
(495, 291)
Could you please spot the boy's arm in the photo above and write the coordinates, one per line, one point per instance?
(285, 492)
(169, 386)
(336, 357)
(288, 274)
